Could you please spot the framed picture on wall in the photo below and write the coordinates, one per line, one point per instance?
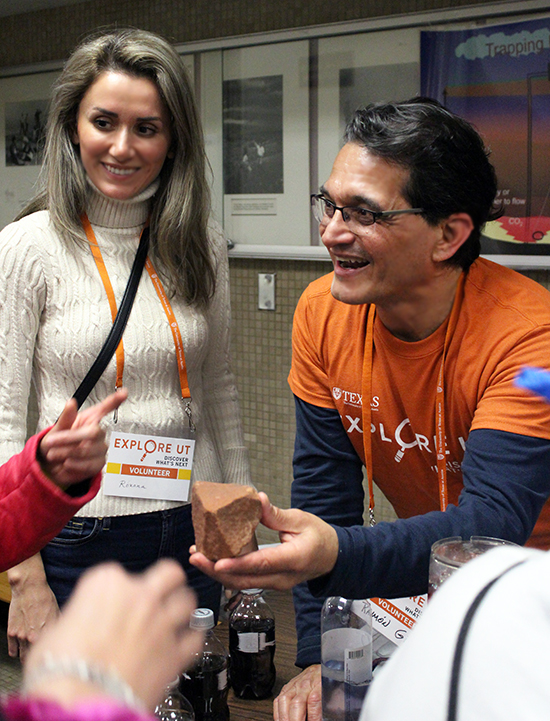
(253, 136)
(23, 109)
(255, 108)
(354, 70)
(266, 144)
(497, 77)
(25, 131)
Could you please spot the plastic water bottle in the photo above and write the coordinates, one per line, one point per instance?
(174, 706)
(252, 646)
(205, 684)
(346, 654)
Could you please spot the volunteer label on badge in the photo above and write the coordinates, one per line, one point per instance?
(140, 466)
(394, 619)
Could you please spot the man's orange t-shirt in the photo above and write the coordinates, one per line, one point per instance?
(503, 325)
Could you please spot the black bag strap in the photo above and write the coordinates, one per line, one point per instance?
(461, 640)
(117, 329)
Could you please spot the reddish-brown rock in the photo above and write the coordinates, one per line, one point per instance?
(225, 516)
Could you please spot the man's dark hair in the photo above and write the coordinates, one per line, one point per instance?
(449, 170)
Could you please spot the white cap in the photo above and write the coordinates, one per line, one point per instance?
(202, 618)
(252, 591)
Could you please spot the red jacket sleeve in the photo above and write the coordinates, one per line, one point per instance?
(32, 508)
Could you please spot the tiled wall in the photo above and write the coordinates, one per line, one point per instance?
(261, 360)
(51, 34)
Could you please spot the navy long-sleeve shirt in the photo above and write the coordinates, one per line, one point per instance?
(499, 499)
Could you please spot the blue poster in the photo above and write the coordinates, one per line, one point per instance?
(498, 78)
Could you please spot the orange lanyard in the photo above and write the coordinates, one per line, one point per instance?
(178, 343)
(366, 393)
(441, 449)
(174, 327)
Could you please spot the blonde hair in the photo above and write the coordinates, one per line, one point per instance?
(181, 207)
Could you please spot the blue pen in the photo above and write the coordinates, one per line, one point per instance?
(534, 379)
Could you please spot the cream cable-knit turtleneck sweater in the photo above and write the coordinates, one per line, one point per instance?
(54, 318)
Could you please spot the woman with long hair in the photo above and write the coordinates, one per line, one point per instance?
(124, 150)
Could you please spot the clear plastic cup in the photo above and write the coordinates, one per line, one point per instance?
(450, 554)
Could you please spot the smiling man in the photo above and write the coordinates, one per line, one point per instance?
(404, 361)
(409, 309)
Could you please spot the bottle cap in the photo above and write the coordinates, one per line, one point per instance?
(202, 618)
(252, 591)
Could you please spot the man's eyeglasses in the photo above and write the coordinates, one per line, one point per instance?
(355, 216)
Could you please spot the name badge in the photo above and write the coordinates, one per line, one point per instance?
(140, 466)
(394, 619)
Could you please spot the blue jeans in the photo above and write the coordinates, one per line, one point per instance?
(134, 541)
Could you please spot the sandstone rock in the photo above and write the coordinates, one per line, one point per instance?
(225, 516)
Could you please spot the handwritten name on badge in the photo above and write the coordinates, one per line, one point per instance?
(140, 466)
(395, 618)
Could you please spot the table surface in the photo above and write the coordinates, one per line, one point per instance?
(5, 591)
(285, 655)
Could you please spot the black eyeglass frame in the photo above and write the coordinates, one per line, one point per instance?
(374, 214)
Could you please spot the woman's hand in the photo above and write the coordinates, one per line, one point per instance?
(134, 625)
(33, 606)
(74, 449)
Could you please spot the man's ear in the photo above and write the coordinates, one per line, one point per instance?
(455, 231)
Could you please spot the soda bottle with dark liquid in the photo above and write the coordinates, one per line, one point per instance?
(206, 683)
(252, 646)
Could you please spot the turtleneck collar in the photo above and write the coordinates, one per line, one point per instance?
(106, 212)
